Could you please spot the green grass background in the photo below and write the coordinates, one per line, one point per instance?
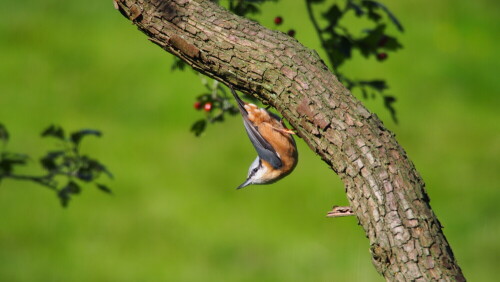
(175, 215)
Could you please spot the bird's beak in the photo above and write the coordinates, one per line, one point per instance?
(246, 183)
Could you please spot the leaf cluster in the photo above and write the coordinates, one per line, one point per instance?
(339, 42)
(221, 106)
(244, 8)
(66, 169)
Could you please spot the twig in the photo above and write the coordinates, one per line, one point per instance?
(340, 212)
(42, 180)
(320, 36)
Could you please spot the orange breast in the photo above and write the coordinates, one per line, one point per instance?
(282, 143)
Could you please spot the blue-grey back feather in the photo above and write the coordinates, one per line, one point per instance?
(263, 148)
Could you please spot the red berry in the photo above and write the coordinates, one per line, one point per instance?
(381, 56)
(278, 20)
(291, 32)
(207, 107)
(197, 105)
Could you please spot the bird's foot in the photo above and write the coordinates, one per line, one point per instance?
(284, 130)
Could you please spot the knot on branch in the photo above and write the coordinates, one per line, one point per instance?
(380, 257)
(184, 47)
(135, 13)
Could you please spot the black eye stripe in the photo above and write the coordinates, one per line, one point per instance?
(252, 173)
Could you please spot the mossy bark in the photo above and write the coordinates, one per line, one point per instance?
(384, 189)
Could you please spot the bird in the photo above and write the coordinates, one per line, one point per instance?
(277, 153)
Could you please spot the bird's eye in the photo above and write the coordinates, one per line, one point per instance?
(255, 170)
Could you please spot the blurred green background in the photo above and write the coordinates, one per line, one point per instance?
(175, 215)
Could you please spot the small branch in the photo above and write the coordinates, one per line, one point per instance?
(42, 180)
(319, 32)
(314, 22)
(316, 26)
(340, 212)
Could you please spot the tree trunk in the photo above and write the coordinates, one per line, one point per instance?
(384, 189)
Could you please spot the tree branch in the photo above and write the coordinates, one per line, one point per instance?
(385, 191)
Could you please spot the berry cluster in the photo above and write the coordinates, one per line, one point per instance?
(216, 106)
(279, 20)
(207, 107)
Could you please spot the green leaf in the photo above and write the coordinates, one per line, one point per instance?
(85, 174)
(9, 160)
(65, 193)
(344, 46)
(4, 134)
(377, 84)
(357, 8)
(369, 44)
(198, 127)
(388, 103)
(339, 49)
(205, 97)
(374, 15)
(365, 94)
(90, 169)
(104, 188)
(97, 167)
(371, 5)
(54, 131)
(333, 15)
(250, 9)
(73, 188)
(392, 44)
(178, 64)
(49, 162)
(246, 7)
(77, 136)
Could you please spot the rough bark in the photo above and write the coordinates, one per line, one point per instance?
(384, 189)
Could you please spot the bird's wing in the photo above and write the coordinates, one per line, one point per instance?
(263, 148)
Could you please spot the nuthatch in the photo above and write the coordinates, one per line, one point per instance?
(276, 149)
